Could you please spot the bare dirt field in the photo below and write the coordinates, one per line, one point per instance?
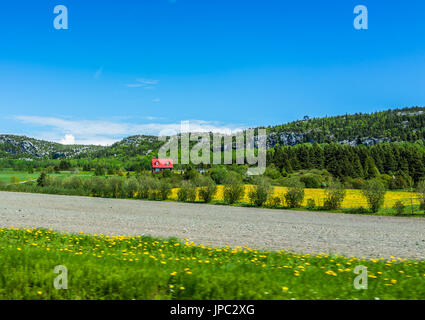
(303, 232)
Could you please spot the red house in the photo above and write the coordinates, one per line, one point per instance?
(159, 165)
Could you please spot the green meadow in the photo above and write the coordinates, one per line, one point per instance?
(103, 267)
(6, 175)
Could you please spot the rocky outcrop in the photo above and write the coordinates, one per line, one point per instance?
(28, 147)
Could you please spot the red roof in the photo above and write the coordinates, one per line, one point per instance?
(162, 163)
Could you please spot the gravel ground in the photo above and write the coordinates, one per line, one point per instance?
(303, 232)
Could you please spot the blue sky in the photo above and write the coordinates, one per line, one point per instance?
(140, 67)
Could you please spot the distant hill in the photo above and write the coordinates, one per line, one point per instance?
(407, 124)
(25, 147)
(131, 147)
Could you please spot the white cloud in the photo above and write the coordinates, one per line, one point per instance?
(156, 100)
(102, 132)
(68, 139)
(143, 83)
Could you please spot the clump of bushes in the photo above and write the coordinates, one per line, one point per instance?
(357, 183)
(294, 197)
(274, 202)
(311, 180)
(207, 189)
(260, 192)
(41, 181)
(311, 204)
(131, 187)
(399, 207)
(145, 184)
(334, 195)
(374, 192)
(187, 192)
(234, 189)
(421, 190)
(115, 186)
(73, 182)
(219, 175)
(99, 171)
(96, 186)
(164, 189)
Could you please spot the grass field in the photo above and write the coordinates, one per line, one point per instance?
(22, 176)
(102, 267)
(6, 175)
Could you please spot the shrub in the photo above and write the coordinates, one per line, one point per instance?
(41, 181)
(234, 189)
(50, 169)
(145, 184)
(357, 183)
(187, 192)
(260, 192)
(311, 204)
(421, 190)
(96, 186)
(167, 174)
(207, 189)
(400, 182)
(164, 189)
(99, 171)
(374, 192)
(111, 170)
(399, 207)
(190, 174)
(295, 195)
(154, 189)
(2, 184)
(131, 187)
(219, 175)
(334, 195)
(54, 182)
(274, 202)
(312, 181)
(73, 183)
(115, 186)
(272, 172)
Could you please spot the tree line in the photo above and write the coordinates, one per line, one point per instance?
(402, 162)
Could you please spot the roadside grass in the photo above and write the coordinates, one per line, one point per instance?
(121, 267)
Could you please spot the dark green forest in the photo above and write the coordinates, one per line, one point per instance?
(403, 163)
